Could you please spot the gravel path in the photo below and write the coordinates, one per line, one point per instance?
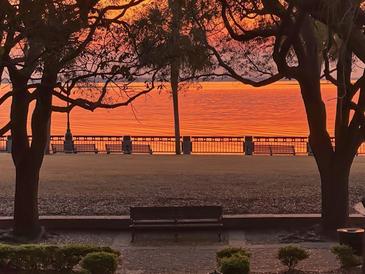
(109, 184)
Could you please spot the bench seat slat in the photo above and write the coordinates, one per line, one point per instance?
(85, 148)
(154, 221)
(198, 221)
(203, 225)
(196, 225)
(135, 226)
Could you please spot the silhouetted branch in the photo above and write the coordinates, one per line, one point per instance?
(232, 73)
(91, 106)
(5, 129)
(246, 35)
(5, 97)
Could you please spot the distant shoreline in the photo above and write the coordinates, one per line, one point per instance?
(290, 82)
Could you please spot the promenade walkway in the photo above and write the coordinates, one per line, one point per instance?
(110, 184)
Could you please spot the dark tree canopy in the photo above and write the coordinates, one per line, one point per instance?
(309, 41)
(48, 48)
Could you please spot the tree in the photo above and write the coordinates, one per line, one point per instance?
(304, 38)
(175, 7)
(46, 49)
(167, 37)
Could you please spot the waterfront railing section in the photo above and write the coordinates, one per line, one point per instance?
(248, 145)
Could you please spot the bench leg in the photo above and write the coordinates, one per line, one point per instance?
(220, 236)
(133, 236)
(176, 236)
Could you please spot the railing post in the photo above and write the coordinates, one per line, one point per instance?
(187, 145)
(9, 144)
(68, 144)
(248, 145)
(309, 149)
(127, 145)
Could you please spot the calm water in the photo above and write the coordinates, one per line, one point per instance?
(212, 109)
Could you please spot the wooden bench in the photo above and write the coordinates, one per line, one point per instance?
(57, 148)
(113, 148)
(78, 148)
(141, 148)
(176, 218)
(136, 148)
(274, 149)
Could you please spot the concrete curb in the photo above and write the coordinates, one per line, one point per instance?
(243, 221)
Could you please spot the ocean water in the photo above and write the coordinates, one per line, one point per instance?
(209, 109)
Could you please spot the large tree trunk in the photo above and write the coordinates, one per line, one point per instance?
(26, 182)
(335, 194)
(47, 150)
(175, 7)
(26, 218)
(28, 159)
(175, 99)
(333, 164)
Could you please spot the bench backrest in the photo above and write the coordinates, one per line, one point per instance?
(113, 147)
(199, 212)
(262, 148)
(141, 147)
(283, 149)
(152, 213)
(274, 149)
(85, 146)
(176, 213)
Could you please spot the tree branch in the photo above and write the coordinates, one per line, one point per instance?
(5, 129)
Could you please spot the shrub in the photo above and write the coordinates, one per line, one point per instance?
(290, 256)
(345, 254)
(46, 257)
(100, 262)
(235, 264)
(229, 252)
(71, 255)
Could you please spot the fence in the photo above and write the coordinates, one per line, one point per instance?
(192, 145)
(99, 141)
(158, 144)
(299, 144)
(3, 143)
(218, 145)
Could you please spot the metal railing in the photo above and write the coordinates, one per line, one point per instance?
(300, 144)
(158, 144)
(191, 145)
(218, 145)
(99, 141)
(3, 143)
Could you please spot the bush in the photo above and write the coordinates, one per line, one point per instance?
(236, 264)
(100, 262)
(345, 254)
(46, 257)
(71, 255)
(290, 256)
(229, 252)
